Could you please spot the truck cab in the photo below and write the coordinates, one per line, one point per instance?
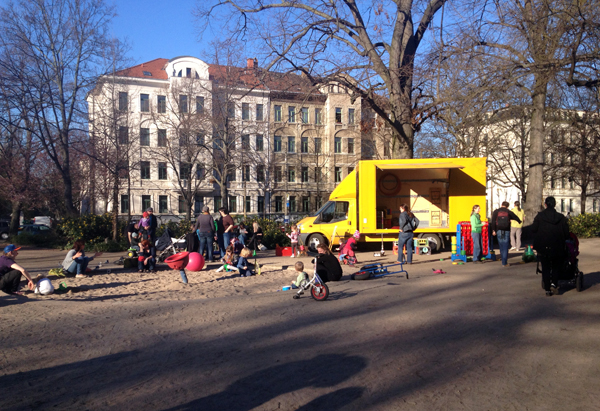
(335, 220)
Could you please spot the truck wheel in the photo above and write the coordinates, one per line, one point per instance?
(315, 240)
(435, 242)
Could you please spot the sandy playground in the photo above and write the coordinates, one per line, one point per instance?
(478, 337)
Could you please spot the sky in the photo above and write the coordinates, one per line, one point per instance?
(158, 29)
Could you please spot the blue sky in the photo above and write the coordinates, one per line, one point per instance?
(158, 29)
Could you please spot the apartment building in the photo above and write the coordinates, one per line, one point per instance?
(181, 133)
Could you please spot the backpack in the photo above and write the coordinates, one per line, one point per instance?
(414, 222)
(502, 220)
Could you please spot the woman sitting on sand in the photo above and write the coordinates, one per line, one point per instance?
(76, 262)
(328, 267)
(147, 257)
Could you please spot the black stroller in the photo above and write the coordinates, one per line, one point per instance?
(166, 246)
(569, 271)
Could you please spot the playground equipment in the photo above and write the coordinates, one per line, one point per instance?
(462, 244)
(178, 262)
(377, 270)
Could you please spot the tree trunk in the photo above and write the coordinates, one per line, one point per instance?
(115, 222)
(16, 216)
(583, 198)
(535, 185)
(68, 194)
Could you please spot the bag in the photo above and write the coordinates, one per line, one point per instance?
(44, 287)
(503, 220)
(414, 222)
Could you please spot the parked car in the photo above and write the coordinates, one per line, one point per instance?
(4, 225)
(45, 220)
(34, 229)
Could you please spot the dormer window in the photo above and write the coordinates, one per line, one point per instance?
(188, 72)
(179, 74)
(147, 73)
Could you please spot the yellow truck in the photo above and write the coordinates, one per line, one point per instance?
(440, 192)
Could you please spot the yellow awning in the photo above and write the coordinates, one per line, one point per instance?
(418, 166)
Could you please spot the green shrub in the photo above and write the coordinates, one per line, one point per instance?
(272, 232)
(91, 228)
(110, 246)
(585, 225)
(178, 228)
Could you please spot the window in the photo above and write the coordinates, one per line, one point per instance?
(123, 103)
(350, 169)
(144, 136)
(162, 171)
(247, 204)
(123, 168)
(163, 204)
(278, 204)
(334, 211)
(292, 207)
(182, 206)
(146, 202)
(161, 104)
(123, 135)
(231, 174)
(200, 172)
(246, 173)
(246, 141)
(199, 105)
(386, 150)
(571, 184)
(188, 72)
(233, 204)
(259, 112)
(338, 174)
(217, 201)
(570, 205)
(291, 175)
(245, 111)
(162, 137)
(350, 146)
(337, 144)
(278, 176)
(562, 205)
(304, 145)
(183, 104)
(318, 203)
(291, 144)
(200, 139)
(318, 145)
(304, 115)
(260, 173)
(338, 115)
(260, 146)
(277, 113)
(185, 171)
(198, 204)
(304, 174)
(277, 145)
(144, 103)
(184, 139)
(594, 206)
(260, 204)
(145, 170)
(318, 116)
(230, 109)
(318, 174)
(552, 183)
(292, 114)
(124, 203)
(306, 204)
(350, 116)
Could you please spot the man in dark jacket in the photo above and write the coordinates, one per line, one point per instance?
(500, 225)
(205, 228)
(153, 226)
(551, 230)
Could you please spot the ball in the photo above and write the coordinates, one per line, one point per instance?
(196, 262)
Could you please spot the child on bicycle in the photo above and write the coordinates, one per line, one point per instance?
(302, 276)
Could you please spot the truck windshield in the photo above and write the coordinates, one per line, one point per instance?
(332, 211)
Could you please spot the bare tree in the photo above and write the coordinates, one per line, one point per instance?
(63, 42)
(368, 48)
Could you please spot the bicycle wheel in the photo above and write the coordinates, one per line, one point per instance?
(319, 292)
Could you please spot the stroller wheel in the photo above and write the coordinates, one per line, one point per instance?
(579, 281)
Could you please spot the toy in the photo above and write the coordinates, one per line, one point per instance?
(196, 262)
(376, 271)
(528, 255)
(178, 262)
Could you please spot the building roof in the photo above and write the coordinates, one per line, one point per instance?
(154, 69)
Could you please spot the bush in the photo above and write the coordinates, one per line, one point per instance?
(273, 234)
(178, 228)
(50, 240)
(585, 225)
(91, 228)
(110, 247)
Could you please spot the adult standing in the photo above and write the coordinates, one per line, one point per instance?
(501, 229)
(328, 267)
(551, 230)
(405, 236)
(205, 228)
(133, 233)
(516, 228)
(226, 232)
(10, 272)
(257, 235)
(476, 225)
(153, 226)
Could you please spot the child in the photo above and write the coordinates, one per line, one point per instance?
(347, 255)
(243, 233)
(294, 238)
(144, 225)
(147, 257)
(243, 265)
(229, 259)
(302, 276)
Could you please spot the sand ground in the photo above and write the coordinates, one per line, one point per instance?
(480, 337)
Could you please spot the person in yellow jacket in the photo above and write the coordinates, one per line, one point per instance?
(516, 228)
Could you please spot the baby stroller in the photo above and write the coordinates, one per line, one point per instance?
(166, 245)
(570, 268)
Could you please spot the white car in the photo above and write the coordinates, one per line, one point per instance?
(43, 220)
